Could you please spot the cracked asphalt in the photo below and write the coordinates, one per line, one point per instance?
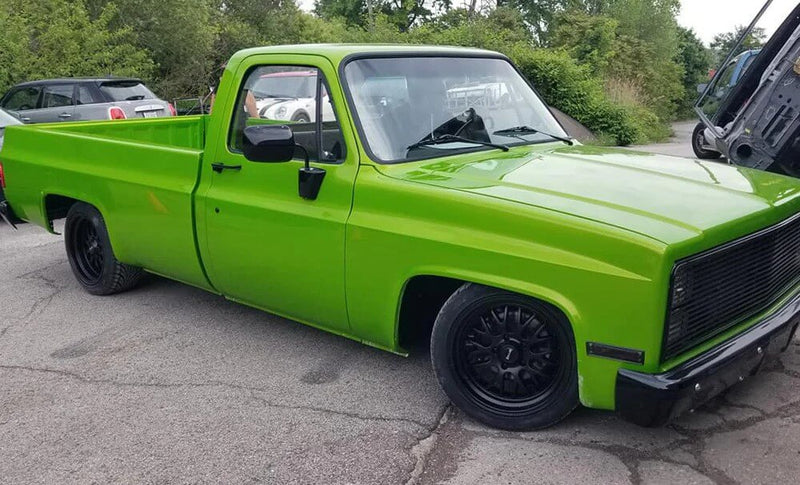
(170, 384)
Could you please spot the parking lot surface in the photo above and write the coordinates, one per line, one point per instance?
(170, 384)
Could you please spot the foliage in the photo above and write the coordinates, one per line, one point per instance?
(590, 39)
(696, 60)
(403, 14)
(574, 89)
(56, 38)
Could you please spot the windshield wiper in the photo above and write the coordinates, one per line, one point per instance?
(440, 140)
(527, 130)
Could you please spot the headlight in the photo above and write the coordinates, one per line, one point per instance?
(280, 111)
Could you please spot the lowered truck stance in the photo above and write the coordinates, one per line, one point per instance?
(432, 188)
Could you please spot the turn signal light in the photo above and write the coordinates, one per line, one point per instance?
(116, 113)
(2, 177)
(172, 109)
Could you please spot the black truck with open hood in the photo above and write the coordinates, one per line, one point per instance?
(756, 124)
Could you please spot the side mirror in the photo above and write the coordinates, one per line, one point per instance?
(268, 143)
(275, 144)
(701, 88)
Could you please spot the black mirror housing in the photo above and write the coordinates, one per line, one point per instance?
(268, 143)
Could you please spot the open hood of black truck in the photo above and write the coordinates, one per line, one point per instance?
(757, 123)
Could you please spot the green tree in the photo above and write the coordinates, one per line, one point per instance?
(696, 60)
(57, 38)
(403, 14)
(590, 39)
(538, 14)
(179, 34)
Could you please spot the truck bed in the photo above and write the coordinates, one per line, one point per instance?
(144, 172)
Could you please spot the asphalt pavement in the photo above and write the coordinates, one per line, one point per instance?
(170, 384)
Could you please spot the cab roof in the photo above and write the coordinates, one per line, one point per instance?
(337, 52)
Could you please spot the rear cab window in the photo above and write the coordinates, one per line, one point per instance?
(289, 95)
(126, 90)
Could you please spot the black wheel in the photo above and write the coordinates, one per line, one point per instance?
(301, 118)
(90, 255)
(699, 141)
(505, 359)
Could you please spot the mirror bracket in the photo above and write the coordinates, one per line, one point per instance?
(309, 178)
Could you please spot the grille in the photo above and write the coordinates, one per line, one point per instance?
(720, 288)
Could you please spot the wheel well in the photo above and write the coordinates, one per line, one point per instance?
(57, 206)
(422, 299)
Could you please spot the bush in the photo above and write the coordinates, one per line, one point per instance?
(576, 91)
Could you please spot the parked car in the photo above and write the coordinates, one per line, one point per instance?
(6, 119)
(78, 99)
(756, 123)
(552, 274)
(289, 96)
(726, 79)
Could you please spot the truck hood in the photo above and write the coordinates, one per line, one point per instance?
(668, 199)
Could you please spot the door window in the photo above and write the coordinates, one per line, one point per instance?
(58, 95)
(289, 95)
(23, 99)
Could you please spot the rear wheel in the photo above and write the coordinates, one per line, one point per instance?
(699, 143)
(505, 359)
(91, 256)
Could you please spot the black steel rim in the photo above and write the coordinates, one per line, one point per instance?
(87, 250)
(509, 357)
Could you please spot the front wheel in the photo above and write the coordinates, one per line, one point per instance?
(91, 256)
(699, 144)
(507, 360)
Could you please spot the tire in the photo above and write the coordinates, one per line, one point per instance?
(524, 345)
(301, 118)
(698, 139)
(91, 256)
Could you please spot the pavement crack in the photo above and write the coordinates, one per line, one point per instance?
(630, 457)
(696, 439)
(425, 445)
(251, 390)
(316, 409)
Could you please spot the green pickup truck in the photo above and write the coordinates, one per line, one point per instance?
(429, 191)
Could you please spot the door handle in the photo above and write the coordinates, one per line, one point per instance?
(219, 167)
(65, 115)
(24, 119)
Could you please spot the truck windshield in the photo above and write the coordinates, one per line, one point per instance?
(414, 108)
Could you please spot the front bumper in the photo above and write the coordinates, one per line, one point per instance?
(653, 400)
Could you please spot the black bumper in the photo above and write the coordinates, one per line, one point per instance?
(653, 400)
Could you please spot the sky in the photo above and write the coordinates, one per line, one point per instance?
(711, 17)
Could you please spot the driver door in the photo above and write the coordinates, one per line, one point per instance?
(262, 244)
